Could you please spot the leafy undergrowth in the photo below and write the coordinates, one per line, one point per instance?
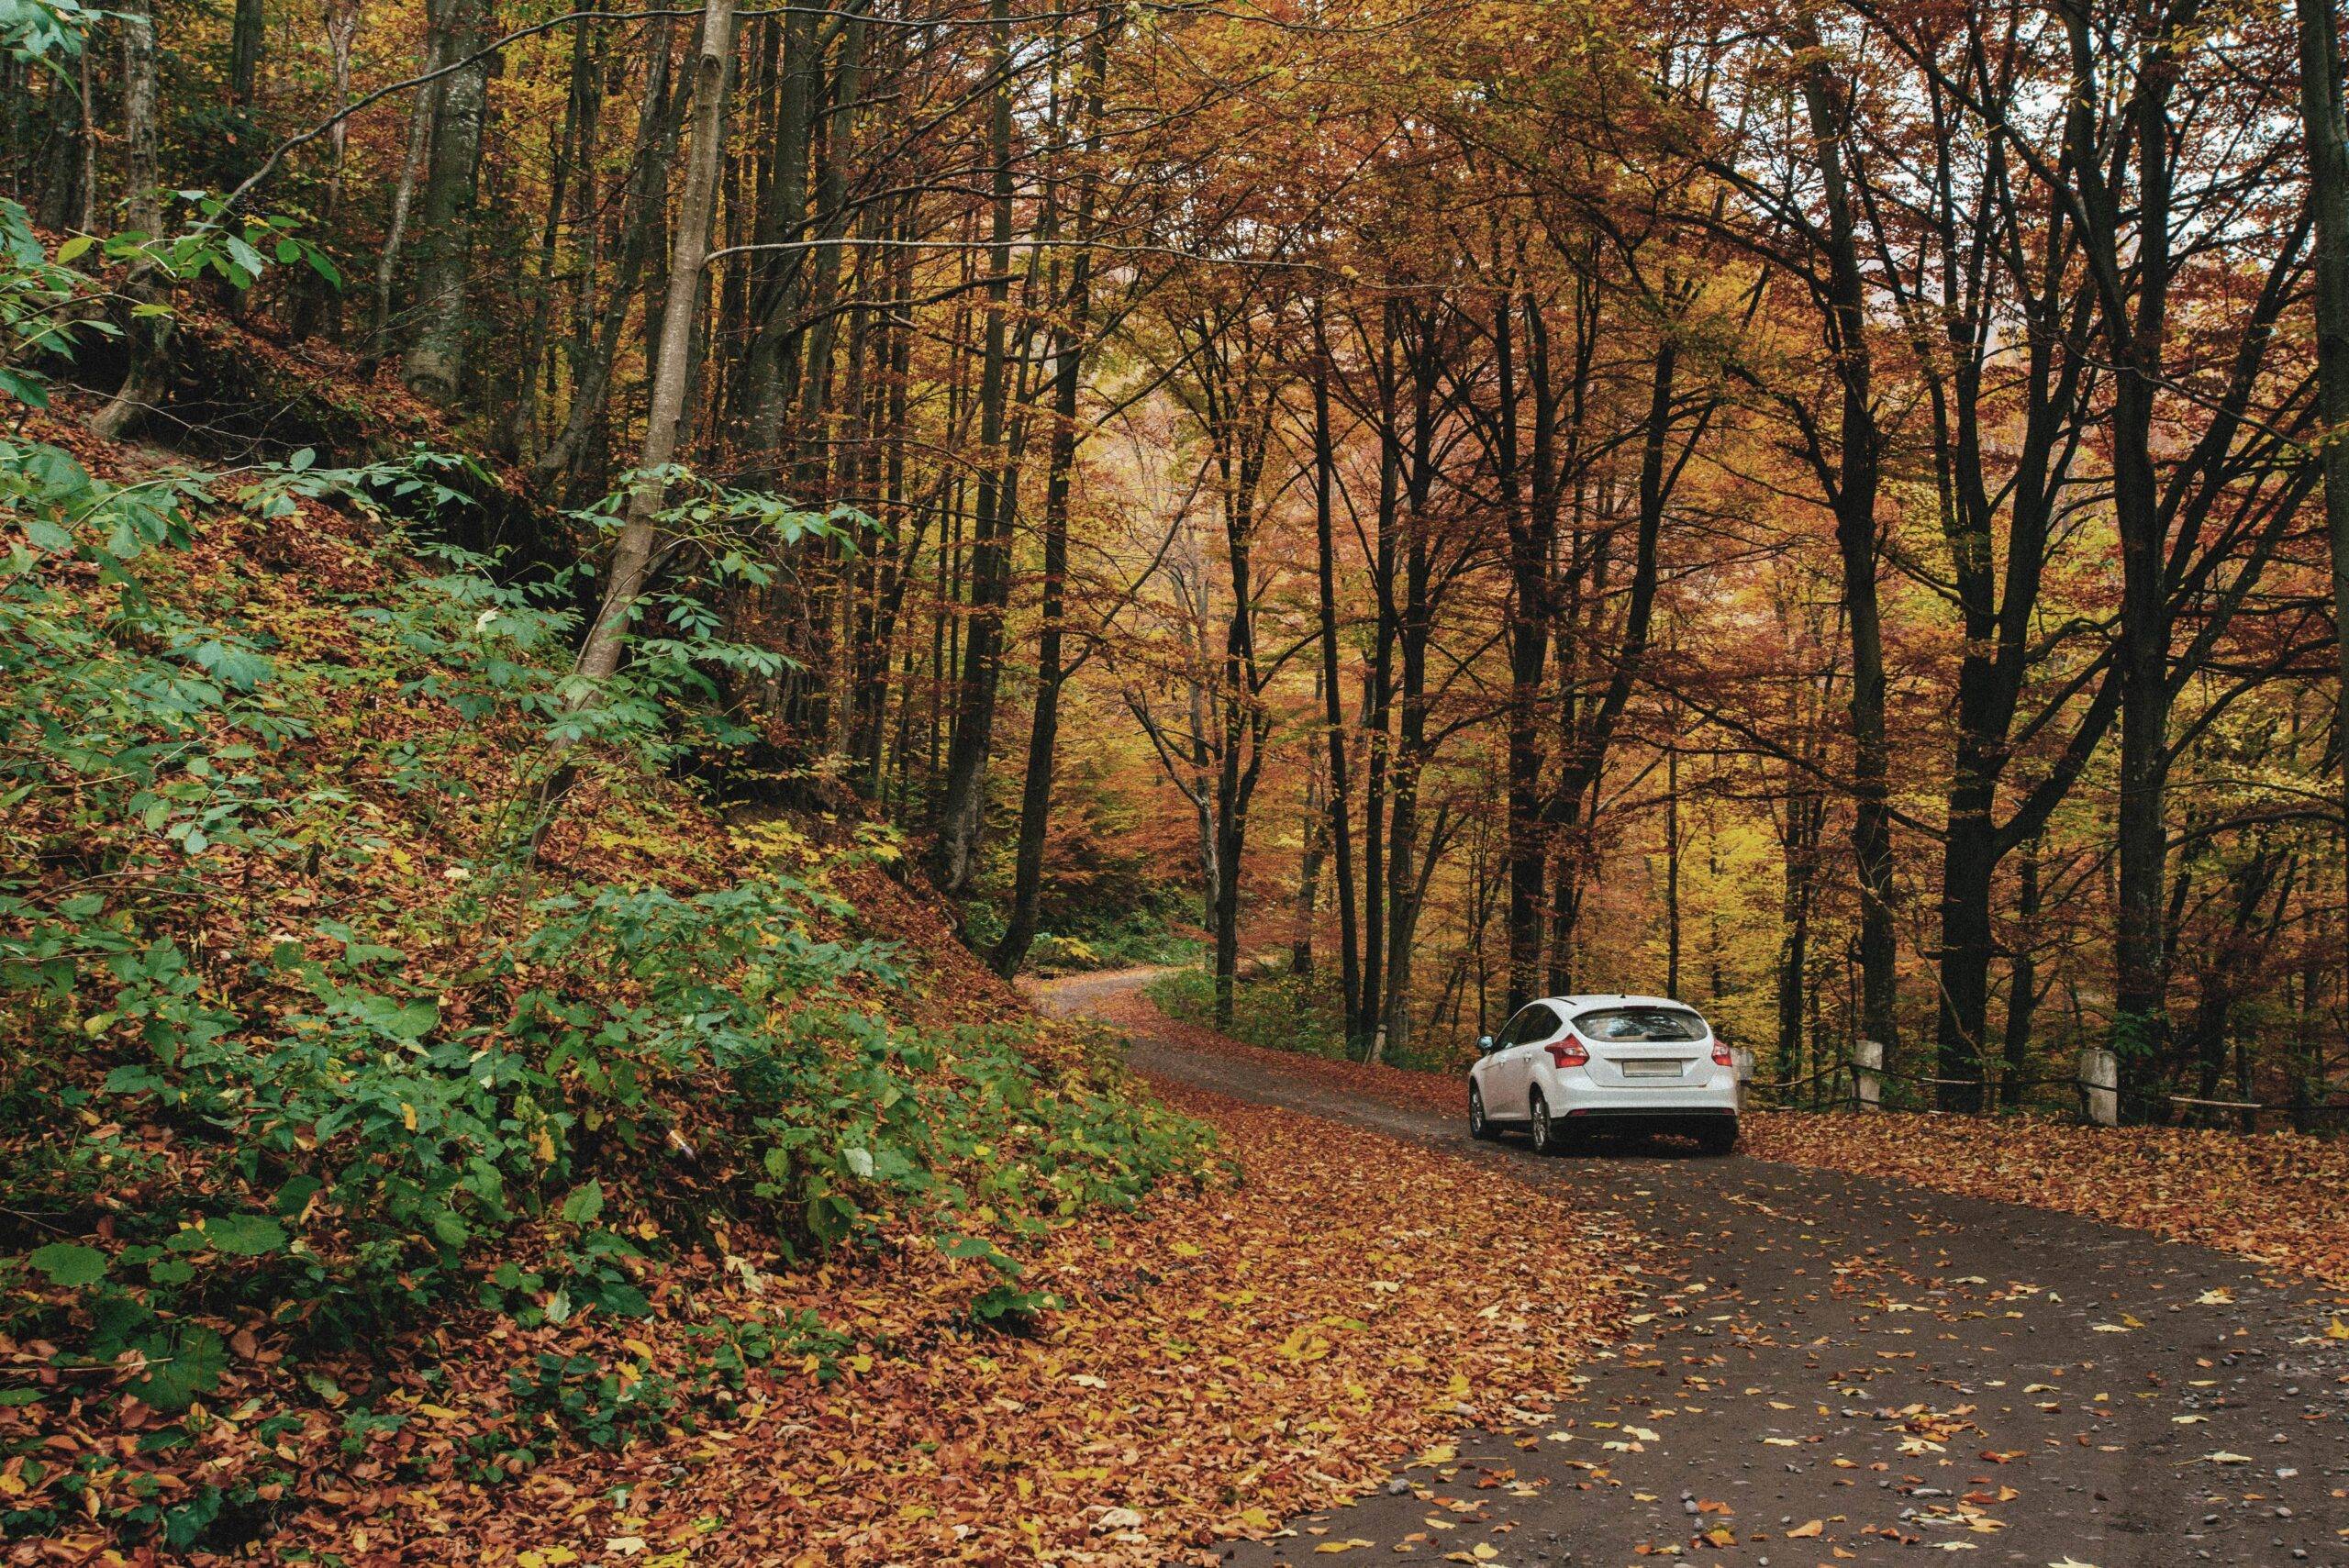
(324, 1102)
(1215, 1367)
(2279, 1197)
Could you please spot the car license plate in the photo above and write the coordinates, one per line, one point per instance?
(1657, 1068)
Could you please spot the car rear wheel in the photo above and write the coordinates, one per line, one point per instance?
(1548, 1137)
(1717, 1136)
(1478, 1127)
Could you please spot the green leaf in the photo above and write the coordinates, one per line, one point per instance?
(245, 1235)
(73, 249)
(70, 1262)
(295, 1194)
(584, 1204)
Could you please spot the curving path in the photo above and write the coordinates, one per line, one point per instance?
(1831, 1370)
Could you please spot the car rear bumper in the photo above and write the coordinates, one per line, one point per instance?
(1649, 1116)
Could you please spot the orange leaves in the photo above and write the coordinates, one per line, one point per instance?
(1217, 1368)
(2276, 1197)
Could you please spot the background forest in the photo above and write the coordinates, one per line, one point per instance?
(1820, 514)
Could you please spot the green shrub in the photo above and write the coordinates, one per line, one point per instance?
(286, 1033)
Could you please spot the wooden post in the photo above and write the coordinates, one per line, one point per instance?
(1868, 1074)
(2100, 1086)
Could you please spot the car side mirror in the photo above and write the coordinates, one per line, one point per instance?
(1484, 1045)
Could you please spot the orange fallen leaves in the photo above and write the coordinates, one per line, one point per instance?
(2276, 1197)
(1219, 1365)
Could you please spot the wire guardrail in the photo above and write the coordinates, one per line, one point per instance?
(2004, 1092)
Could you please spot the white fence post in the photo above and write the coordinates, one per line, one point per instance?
(2100, 1086)
(1867, 1075)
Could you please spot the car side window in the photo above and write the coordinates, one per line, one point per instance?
(1537, 1022)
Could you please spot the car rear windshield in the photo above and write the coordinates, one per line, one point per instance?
(1635, 1023)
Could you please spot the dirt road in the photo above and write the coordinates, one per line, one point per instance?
(1831, 1370)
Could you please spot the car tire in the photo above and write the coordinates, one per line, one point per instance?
(1717, 1138)
(1548, 1137)
(1479, 1127)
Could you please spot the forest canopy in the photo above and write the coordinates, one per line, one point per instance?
(1820, 511)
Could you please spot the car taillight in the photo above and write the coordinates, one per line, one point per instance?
(1721, 1057)
(1568, 1052)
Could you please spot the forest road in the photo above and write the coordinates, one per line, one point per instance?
(1837, 1370)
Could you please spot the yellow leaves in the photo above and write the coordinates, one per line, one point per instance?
(1808, 1530)
(1331, 1548)
(1442, 1453)
(546, 1557)
(408, 1116)
(2337, 1329)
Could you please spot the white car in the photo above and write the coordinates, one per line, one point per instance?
(1566, 1067)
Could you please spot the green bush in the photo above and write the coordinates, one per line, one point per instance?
(286, 1032)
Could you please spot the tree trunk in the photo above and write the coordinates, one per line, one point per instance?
(434, 366)
(964, 805)
(2322, 124)
(632, 553)
(1043, 732)
(1855, 541)
(422, 116)
(659, 122)
(246, 30)
(2023, 980)
(1332, 687)
(146, 336)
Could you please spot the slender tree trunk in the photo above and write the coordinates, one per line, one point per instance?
(421, 119)
(962, 808)
(319, 301)
(1309, 877)
(562, 459)
(1333, 721)
(2022, 978)
(599, 657)
(1043, 733)
(1532, 538)
(632, 553)
(1671, 871)
(146, 336)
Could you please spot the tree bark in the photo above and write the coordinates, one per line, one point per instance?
(1856, 539)
(246, 30)
(422, 116)
(2322, 124)
(147, 334)
(625, 578)
(1325, 462)
(964, 805)
(434, 366)
(659, 123)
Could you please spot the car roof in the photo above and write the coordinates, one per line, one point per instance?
(1615, 999)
